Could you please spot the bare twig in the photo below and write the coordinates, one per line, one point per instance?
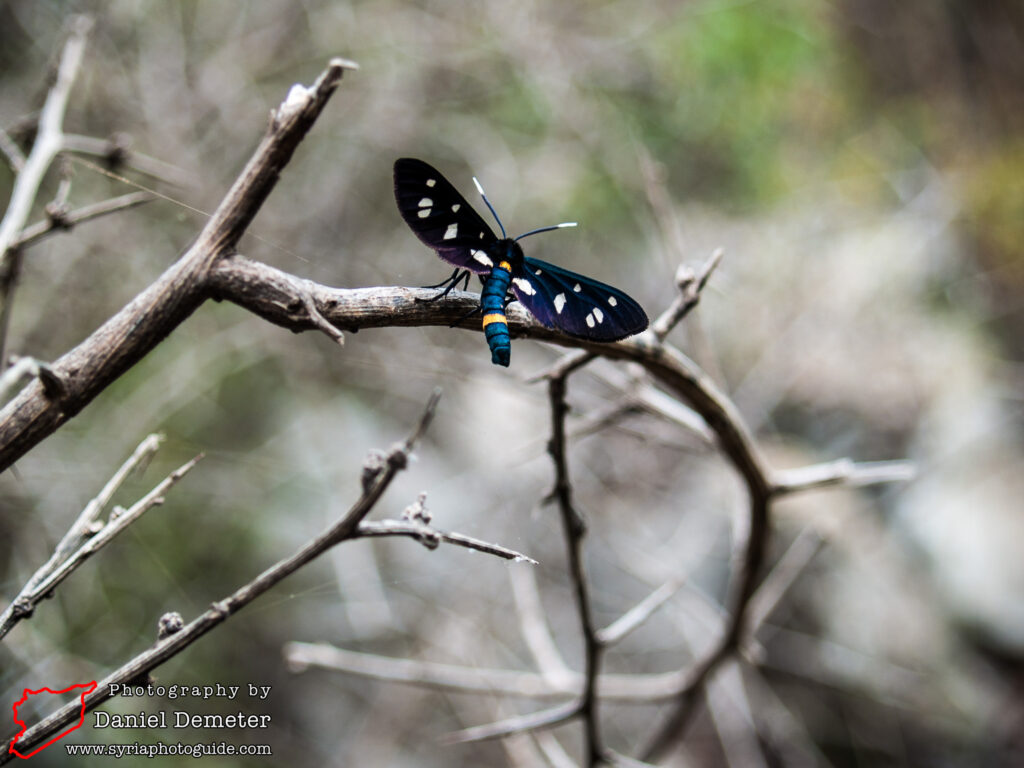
(10, 270)
(28, 367)
(20, 368)
(118, 153)
(15, 157)
(617, 760)
(731, 714)
(318, 320)
(551, 749)
(574, 529)
(421, 531)
(690, 285)
(786, 731)
(565, 365)
(30, 176)
(87, 519)
(536, 631)
(783, 575)
(36, 232)
(547, 718)
(430, 674)
(642, 394)
(378, 472)
(843, 472)
(634, 688)
(639, 613)
(65, 562)
(57, 207)
(49, 137)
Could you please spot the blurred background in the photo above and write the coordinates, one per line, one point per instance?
(860, 162)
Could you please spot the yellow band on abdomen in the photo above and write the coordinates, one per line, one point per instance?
(493, 318)
(505, 265)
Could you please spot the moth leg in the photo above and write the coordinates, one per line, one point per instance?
(449, 284)
(476, 311)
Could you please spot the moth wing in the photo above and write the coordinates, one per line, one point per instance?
(577, 305)
(440, 216)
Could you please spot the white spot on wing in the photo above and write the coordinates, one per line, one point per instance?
(431, 182)
(455, 208)
(524, 285)
(426, 202)
(483, 258)
(538, 272)
(481, 235)
(611, 301)
(576, 288)
(590, 319)
(424, 213)
(452, 231)
(559, 302)
(598, 315)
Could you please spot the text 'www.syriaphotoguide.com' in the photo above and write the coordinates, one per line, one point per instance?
(159, 749)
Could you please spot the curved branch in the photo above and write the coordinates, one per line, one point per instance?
(281, 298)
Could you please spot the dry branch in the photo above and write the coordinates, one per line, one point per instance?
(49, 138)
(449, 677)
(426, 533)
(690, 285)
(30, 172)
(547, 718)
(644, 689)
(378, 472)
(81, 541)
(574, 529)
(128, 336)
(117, 153)
(36, 232)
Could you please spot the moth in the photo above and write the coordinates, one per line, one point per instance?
(577, 305)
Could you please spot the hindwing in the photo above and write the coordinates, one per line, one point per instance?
(577, 305)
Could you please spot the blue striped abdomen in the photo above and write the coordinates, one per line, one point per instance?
(492, 302)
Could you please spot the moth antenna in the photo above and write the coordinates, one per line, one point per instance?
(563, 225)
(494, 212)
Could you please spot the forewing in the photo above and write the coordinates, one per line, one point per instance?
(440, 216)
(577, 305)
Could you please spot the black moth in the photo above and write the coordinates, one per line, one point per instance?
(574, 304)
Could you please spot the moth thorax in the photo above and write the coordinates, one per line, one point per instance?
(508, 250)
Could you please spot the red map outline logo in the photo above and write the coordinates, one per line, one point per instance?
(90, 687)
